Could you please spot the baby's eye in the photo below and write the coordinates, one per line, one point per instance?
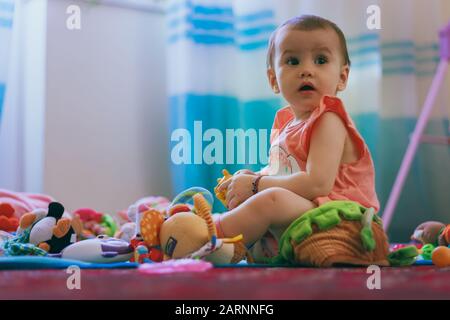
(321, 60)
(292, 61)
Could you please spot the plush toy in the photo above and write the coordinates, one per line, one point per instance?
(126, 232)
(98, 250)
(193, 235)
(48, 229)
(148, 246)
(441, 257)
(8, 222)
(95, 223)
(152, 202)
(336, 233)
(144, 240)
(221, 195)
(183, 230)
(432, 232)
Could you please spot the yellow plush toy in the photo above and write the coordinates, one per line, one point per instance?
(193, 235)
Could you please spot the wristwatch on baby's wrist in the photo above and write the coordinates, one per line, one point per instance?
(255, 184)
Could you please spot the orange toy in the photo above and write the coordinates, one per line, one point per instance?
(150, 225)
(147, 246)
(8, 222)
(441, 257)
(222, 195)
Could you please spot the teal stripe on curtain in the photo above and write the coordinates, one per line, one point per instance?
(221, 113)
(387, 140)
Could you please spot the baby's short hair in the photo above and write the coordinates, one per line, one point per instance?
(307, 23)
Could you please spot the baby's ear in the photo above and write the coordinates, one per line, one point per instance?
(343, 78)
(273, 80)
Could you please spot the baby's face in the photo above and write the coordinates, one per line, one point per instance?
(307, 65)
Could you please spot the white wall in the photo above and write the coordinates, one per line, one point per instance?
(106, 136)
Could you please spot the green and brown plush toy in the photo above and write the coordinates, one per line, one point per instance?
(336, 233)
(339, 233)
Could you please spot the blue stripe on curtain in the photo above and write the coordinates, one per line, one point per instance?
(6, 7)
(6, 23)
(217, 112)
(395, 54)
(6, 14)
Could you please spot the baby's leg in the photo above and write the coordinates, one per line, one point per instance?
(273, 209)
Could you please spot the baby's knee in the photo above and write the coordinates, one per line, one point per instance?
(272, 196)
(270, 201)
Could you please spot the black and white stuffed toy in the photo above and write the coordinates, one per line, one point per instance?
(49, 230)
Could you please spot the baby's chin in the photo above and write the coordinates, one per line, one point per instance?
(308, 103)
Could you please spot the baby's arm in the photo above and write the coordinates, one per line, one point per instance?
(324, 157)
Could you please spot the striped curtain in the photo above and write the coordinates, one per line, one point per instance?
(6, 22)
(217, 75)
(217, 80)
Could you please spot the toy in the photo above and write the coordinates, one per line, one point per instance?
(336, 233)
(193, 235)
(141, 255)
(126, 232)
(427, 251)
(222, 195)
(150, 226)
(180, 207)
(404, 256)
(95, 223)
(145, 241)
(98, 250)
(18, 245)
(182, 230)
(173, 266)
(441, 257)
(434, 232)
(153, 202)
(8, 222)
(148, 222)
(49, 230)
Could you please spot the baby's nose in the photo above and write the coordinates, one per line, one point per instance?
(305, 73)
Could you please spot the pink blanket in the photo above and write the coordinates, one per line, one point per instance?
(23, 202)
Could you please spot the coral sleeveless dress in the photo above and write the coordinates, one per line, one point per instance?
(289, 153)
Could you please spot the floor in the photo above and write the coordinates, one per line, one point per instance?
(418, 282)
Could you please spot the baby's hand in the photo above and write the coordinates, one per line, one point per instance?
(239, 189)
(244, 171)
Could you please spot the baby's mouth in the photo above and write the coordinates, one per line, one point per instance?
(305, 87)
